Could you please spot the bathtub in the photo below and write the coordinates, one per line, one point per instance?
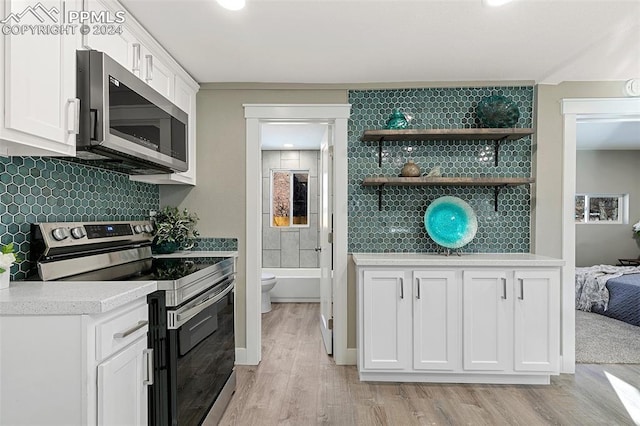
(295, 284)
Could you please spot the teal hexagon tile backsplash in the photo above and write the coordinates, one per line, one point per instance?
(40, 189)
(399, 226)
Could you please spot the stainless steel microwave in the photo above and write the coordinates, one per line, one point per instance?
(125, 124)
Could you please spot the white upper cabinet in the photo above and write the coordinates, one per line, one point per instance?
(41, 111)
(39, 92)
(115, 39)
(157, 74)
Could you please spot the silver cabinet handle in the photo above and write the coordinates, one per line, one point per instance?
(504, 288)
(128, 332)
(148, 354)
(401, 288)
(417, 288)
(149, 75)
(135, 66)
(76, 115)
(521, 297)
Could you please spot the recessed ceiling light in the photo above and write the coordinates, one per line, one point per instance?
(232, 4)
(288, 145)
(496, 2)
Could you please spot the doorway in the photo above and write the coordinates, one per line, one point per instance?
(573, 111)
(335, 117)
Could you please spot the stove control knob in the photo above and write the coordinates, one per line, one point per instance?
(60, 234)
(148, 228)
(137, 229)
(78, 232)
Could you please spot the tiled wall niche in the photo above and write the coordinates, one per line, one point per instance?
(290, 247)
(399, 227)
(35, 189)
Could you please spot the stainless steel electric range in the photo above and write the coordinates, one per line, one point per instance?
(191, 316)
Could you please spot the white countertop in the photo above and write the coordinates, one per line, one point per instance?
(195, 253)
(70, 297)
(469, 259)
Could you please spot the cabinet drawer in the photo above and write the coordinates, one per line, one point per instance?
(122, 329)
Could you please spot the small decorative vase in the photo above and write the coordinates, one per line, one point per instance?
(166, 247)
(4, 280)
(410, 169)
(397, 121)
(497, 111)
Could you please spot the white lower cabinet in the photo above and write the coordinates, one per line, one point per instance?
(386, 320)
(76, 369)
(475, 325)
(122, 397)
(436, 344)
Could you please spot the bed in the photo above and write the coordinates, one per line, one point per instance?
(612, 291)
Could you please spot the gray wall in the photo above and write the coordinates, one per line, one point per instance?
(219, 196)
(547, 158)
(290, 247)
(608, 172)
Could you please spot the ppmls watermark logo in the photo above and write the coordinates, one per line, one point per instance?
(40, 20)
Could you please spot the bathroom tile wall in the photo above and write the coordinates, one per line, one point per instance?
(35, 189)
(290, 247)
(399, 226)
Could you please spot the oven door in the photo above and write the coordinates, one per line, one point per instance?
(201, 353)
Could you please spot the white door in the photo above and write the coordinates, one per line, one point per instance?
(326, 248)
(386, 320)
(40, 77)
(487, 315)
(537, 320)
(122, 392)
(435, 320)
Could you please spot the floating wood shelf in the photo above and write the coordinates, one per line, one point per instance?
(444, 134)
(495, 135)
(498, 183)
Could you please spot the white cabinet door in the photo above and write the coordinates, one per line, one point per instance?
(157, 74)
(386, 320)
(39, 84)
(487, 317)
(435, 321)
(537, 320)
(113, 39)
(122, 392)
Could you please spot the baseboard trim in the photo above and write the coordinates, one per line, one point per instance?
(350, 356)
(241, 356)
(295, 300)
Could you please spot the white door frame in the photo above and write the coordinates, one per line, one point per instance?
(256, 115)
(573, 110)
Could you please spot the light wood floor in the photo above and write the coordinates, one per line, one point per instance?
(298, 384)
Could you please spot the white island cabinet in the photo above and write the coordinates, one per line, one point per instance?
(475, 318)
(75, 353)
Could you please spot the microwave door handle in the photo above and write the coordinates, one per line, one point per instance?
(95, 124)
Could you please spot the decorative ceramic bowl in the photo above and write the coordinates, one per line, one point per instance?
(450, 222)
(496, 111)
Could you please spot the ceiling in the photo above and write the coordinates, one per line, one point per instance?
(301, 136)
(367, 41)
(608, 134)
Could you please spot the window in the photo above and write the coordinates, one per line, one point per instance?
(289, 198)
(602, 208)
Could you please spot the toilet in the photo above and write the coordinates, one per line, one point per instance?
(268, 282)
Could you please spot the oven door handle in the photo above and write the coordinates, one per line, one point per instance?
(204, 304)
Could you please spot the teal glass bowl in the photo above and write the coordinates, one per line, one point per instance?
(496, 111)
(450, 222)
